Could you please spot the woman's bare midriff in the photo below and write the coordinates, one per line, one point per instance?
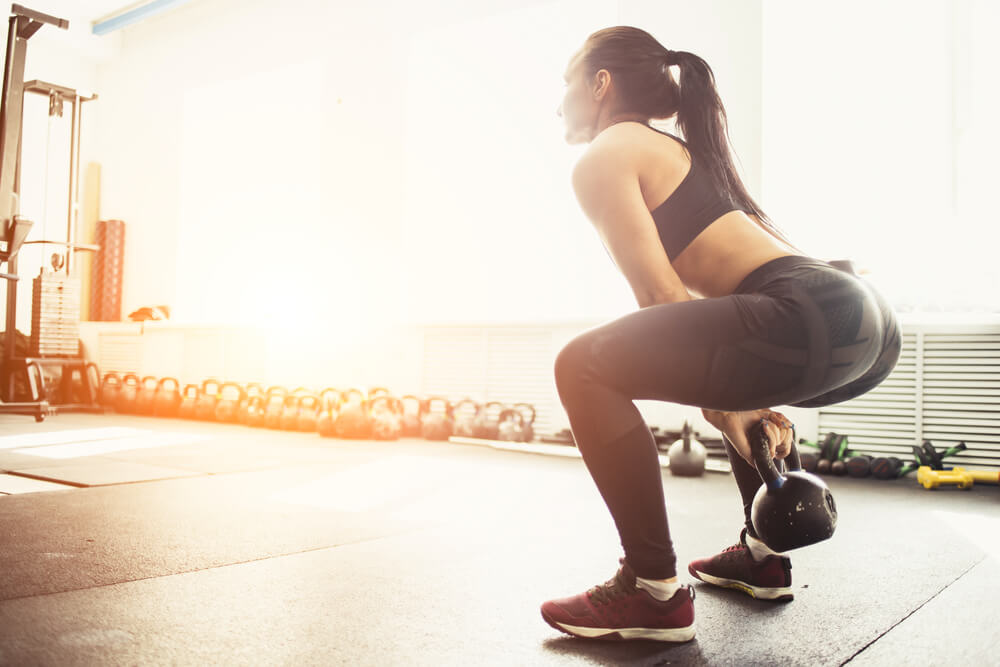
(725, 252)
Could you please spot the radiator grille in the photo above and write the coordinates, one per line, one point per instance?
(946, 389)
(507, 364)
(120, 352)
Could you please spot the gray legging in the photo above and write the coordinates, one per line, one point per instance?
(797, 331)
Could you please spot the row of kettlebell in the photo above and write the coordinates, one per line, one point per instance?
(333, 413)
(492, 420)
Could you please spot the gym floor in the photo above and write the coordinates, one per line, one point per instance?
(178, 542)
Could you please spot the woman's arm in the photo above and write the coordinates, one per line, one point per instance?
(606, 182)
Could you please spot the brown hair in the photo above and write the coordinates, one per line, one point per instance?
(640, 68)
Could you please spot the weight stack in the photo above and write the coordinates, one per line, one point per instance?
(106, 286)
(55, 315)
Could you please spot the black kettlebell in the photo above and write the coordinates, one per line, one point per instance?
(145, 396)
(527, 411)
(208, 397)
(353, 421)
(188, 402)
(231, 395)
(413, 410)
(510, 426)
(465, 412)
(488, 421)
(385, 411)
(242, 410)
(308, 413)
(791, 510)
(437, 422)
(168, 397)
(110, 387)
(125, 402)
(274, 404)
(290, 411)
(329, 401)
(687, 455)
(253, 413)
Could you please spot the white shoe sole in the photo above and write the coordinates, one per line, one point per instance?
(658, 634)
(752, 591)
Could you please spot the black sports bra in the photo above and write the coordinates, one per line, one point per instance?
(692, 207)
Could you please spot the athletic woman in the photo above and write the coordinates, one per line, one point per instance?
(732, 318)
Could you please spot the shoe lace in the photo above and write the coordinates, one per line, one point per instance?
(613, 589)
(736, 547)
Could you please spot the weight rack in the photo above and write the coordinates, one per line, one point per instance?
(24, 23)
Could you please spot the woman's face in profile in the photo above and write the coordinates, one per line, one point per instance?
(578, 107)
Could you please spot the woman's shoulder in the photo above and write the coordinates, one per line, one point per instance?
(628, 132)
(640, 147)
(625, 142)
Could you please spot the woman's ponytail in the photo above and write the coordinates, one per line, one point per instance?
(701, 118)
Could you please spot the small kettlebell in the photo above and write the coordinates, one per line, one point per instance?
(289, 420)
(274, 403)
(125, 401)
(511, 426)
(791, 510)
(188, 401)
(413, 410)
(204, 408)
(243, 410)
(145, 398)
(254, 411)
(437, 422)
(687, 456)
(385, 417)
(527, 411)
(488, 421)
(353, 421)
(308, 413)
(168, 398)
(110, 387)
(230, 396)
(329, 408)
(465, 412)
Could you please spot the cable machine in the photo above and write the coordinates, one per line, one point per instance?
(79, 380)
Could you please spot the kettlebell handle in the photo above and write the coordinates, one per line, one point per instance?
(529, 407)
(761, 448)
(458, 405)
(439, 400)
(511, 413)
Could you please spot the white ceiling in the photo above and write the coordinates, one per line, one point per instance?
(88, 11)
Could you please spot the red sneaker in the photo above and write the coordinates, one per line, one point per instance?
(617, 610)
(768, 579)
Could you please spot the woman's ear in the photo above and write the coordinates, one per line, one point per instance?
(602, 82)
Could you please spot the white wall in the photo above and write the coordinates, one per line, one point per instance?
(390, 165)
(863, 104)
